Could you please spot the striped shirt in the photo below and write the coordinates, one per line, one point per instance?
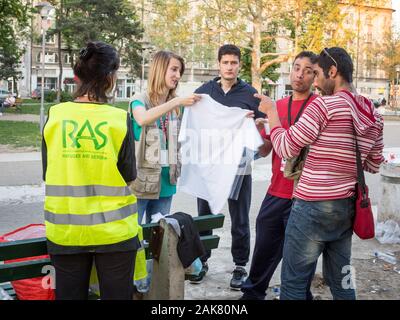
(327, 126)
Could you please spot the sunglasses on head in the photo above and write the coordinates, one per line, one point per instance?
(325, 51)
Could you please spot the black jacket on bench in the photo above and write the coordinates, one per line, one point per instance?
(190, 246)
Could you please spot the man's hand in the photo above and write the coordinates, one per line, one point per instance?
(266, 103)
(260, 123)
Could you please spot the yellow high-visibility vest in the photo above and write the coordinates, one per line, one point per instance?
(87, 200)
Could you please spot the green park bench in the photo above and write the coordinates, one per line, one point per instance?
(168, 273)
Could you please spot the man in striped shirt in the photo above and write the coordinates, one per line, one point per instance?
(323, 210)
(275, 208)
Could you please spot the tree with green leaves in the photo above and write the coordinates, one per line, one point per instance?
(114, 22)
(178, 21)
(294, 25)
(14, 22)
(269, 73)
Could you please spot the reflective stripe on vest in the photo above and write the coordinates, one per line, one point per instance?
(91, 219)
(86, 191)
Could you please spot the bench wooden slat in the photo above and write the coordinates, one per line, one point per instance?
(209, 222)
(23, 270)
(210, 242)
(202, 223)
(8, 288)
(22, 249)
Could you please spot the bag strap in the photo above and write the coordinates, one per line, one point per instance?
(300, 111)
(360, 173)
(360, 170)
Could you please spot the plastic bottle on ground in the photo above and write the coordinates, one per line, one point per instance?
(385, 257)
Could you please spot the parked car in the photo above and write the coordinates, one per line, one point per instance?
(37, 93)
(3, 93)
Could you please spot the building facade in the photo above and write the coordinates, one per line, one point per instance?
(370, 23)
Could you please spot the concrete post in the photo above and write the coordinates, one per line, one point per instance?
(168, 277)
(389, 205)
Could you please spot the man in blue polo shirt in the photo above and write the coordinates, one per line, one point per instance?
(231, 91)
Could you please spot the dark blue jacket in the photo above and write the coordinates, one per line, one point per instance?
(241, 95)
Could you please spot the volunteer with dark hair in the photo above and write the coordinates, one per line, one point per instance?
(231, 91)
(322, 215)
(275, 209)
(88, 160)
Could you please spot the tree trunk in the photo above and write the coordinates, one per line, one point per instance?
(256, 78)
(297, 27)
(14, 79)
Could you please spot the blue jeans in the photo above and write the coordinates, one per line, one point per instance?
(270, 234)
(316, 227)
(150, 207)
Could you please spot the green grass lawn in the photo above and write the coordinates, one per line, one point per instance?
(29, 108)
(20, 134)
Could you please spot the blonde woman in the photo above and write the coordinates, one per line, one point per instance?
(156, 118)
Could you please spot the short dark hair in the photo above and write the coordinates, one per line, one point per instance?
(339, 58)
(307, 54)
(96, 67)
(229, 49)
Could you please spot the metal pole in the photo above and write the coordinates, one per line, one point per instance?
(142, 80)
(42, 89)
(396, 87)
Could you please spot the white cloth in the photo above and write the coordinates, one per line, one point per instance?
(213, 137)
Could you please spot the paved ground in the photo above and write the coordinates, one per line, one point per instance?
(20, 117)
(21, 203)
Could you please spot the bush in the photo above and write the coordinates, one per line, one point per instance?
(50, 96)
(66, 96)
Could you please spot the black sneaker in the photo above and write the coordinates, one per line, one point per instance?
(239, 276)
(199, 279)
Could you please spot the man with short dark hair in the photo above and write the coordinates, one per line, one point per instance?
(231, 91)
(321, 218)
(275, 209)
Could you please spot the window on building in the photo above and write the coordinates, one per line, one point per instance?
(120, 88)
(50, 57)
(69, 85)
(49, 83)
(288, 90)
(130, 88)
(67, 58)
(369, 37)
(51, 38)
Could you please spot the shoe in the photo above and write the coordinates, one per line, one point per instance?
(239, 276)
(199, 279)
(1, 114)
